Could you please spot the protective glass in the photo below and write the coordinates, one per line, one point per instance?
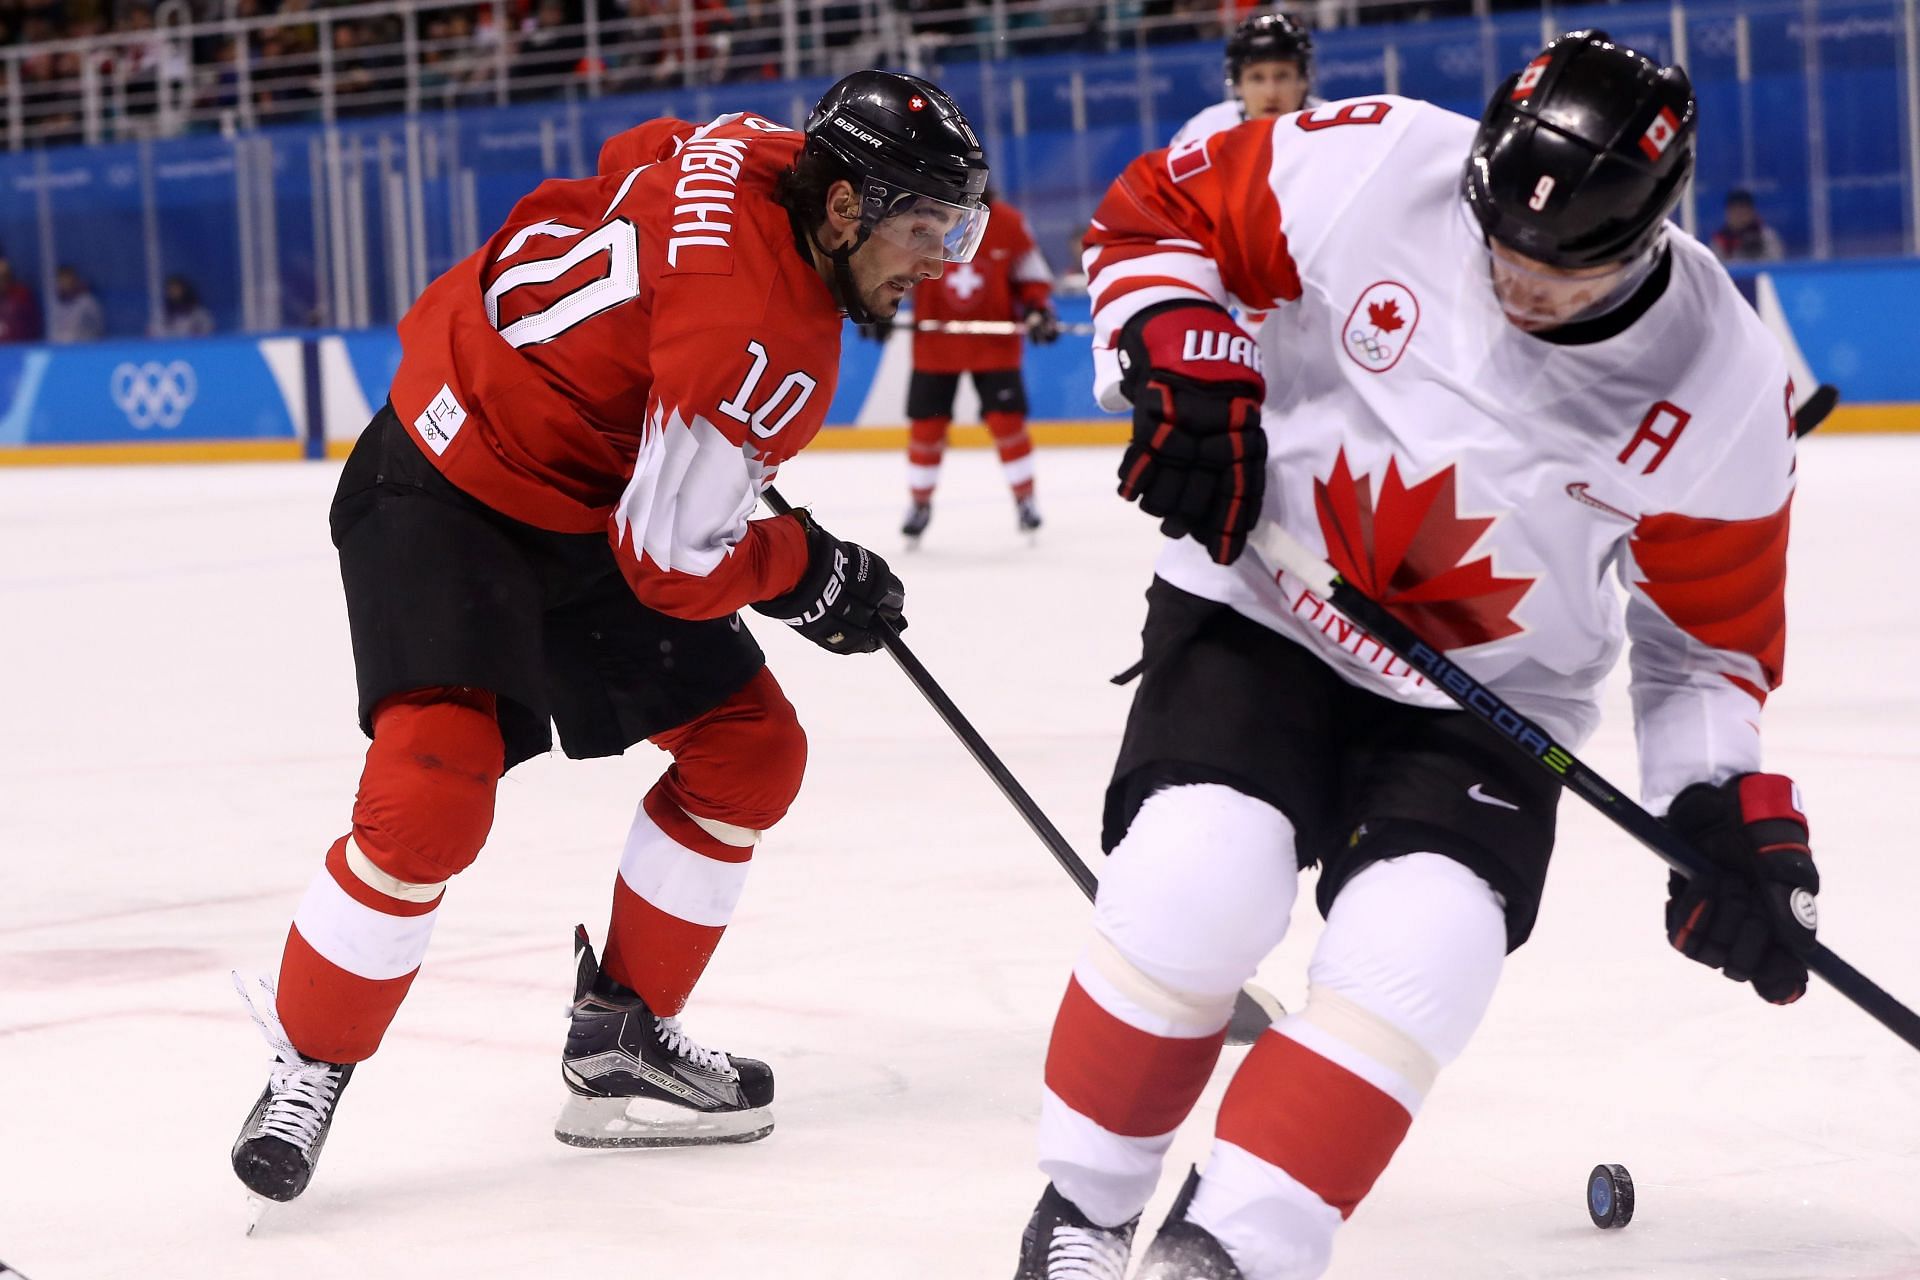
(928, 227)
(1536, 296)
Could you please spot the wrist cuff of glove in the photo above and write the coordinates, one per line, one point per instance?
(805, 591)
(1189, 342)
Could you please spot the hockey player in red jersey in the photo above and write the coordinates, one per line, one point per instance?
(1008, 282)
(1483, 396)
(548, 525)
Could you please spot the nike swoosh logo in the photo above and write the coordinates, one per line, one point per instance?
(1480, 794)
(1578, 492)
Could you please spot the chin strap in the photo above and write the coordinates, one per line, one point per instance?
(844, 291)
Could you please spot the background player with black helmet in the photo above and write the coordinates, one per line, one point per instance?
(1481, 395)
(1269, 73)
(548, 525)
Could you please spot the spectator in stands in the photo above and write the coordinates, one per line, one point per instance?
(74, 315)
(19, 309)
(1742, 237)
(548, 53)
(754, 49)
(183, 315)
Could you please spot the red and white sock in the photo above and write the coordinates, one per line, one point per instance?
(926, 446)
(1015, 446)
(680, 879)
(1399, 982)
(1192, 898)
(357, 941)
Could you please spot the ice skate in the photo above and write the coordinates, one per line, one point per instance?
(1184, 1250)
(280, 1143)
(637, 1080)
(1060, 1243)
(1028, 516)
(915, 523)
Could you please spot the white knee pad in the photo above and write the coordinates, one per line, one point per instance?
(1200, 889)
(1404, 972)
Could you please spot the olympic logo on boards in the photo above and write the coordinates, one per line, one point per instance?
(152, 394)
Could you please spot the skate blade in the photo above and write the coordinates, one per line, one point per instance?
(644, 1122)
(257, 1207)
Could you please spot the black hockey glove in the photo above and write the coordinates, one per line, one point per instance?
(1754, 918)
(844, 596)
(877, 330)
(1199, 455)
(1043, 326)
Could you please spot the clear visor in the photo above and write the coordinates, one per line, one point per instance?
(927, 227)
(1536, 296)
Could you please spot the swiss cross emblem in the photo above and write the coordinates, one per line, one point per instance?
(1660, 134)
(1529, 78)
(964, 281)
(916, 103)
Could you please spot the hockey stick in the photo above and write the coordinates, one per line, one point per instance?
(1814, 410)
(1280, 550)
(1254, 1009)
(1004, 327)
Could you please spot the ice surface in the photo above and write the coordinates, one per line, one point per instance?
(179, 749)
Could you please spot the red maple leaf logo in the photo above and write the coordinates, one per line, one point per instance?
(1407, 552)
(1385, 315)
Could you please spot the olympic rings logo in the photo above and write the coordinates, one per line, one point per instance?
(152, 394)
(1371, 347)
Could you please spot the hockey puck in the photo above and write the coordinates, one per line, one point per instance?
(1610, 1196)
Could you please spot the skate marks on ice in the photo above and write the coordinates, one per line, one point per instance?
(900, 950)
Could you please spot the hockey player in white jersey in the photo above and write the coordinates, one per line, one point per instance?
(1482, 396)
(1269, 73)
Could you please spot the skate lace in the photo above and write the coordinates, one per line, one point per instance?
(679, 1042)
(301, 1090)
(1086, 1253)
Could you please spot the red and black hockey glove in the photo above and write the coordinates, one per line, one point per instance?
(842, 598)
(1754, 917)
(1198, 459)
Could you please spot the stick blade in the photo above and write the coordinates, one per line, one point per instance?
(1254, 1010)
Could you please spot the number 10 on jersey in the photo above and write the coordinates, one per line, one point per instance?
(787, 399)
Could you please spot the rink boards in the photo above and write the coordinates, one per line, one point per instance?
(309, 394)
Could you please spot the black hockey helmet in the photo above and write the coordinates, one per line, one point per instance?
(1582, 154)
(900, 137)
(1269, 37)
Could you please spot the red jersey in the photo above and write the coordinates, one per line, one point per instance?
(637, 352)
(1007, 278)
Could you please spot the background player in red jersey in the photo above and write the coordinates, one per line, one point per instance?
(548, 525)
(1008, 282)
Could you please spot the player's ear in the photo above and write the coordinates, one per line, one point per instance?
(843, 211)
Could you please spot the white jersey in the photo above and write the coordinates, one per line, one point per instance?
(1221, 116)
(1483, 483)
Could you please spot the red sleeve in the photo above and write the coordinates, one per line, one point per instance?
(765, 563)
(729, 404)
(1724, 583)
(643, 144)
(1190, 219)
